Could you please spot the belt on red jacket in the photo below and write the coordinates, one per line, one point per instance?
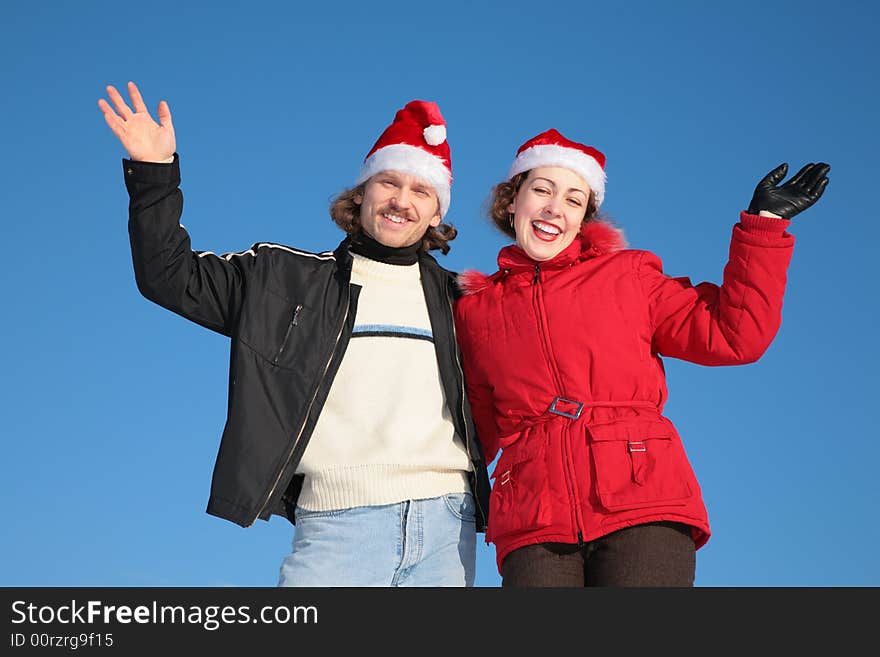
(572, 409)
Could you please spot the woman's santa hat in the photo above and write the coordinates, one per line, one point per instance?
(551, 149)
(414, 143)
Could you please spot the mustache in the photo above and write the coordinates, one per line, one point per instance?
(391, 208)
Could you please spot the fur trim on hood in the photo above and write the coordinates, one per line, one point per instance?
(597, 238)
(601, 237)
(472, 281)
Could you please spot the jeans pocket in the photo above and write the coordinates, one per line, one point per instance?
(304, 514)
(462, 506)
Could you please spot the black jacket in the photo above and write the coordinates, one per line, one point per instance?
(290, 315)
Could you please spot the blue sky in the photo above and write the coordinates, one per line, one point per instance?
(112, 407)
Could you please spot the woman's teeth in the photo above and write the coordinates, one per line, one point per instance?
(547, 229)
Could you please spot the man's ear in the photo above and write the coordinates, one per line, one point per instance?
(435, 220)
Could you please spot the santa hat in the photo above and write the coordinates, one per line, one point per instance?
(551, 149)
(414, 143)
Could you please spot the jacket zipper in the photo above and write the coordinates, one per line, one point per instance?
(467, 440)
(308, 410)
(293, 319)
(547, 352)
(464, 422)
(552, 366)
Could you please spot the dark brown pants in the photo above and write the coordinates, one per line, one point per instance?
(653, 554)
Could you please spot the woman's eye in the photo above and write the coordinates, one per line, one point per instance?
(575, 202)
(541, 190)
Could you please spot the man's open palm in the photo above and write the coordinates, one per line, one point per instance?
(141, 136)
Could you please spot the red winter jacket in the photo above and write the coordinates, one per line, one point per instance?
(564, 375)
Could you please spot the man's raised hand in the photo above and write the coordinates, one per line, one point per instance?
(141, 136)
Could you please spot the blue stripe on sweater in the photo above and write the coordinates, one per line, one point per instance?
(391, 331)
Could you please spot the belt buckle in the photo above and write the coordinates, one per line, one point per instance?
(573, 416)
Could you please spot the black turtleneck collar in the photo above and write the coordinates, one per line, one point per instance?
(366, 246)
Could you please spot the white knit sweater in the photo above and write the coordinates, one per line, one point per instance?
(385, 433)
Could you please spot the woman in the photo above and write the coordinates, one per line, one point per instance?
(562, 351)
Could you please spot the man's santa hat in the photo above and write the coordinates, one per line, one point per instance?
(414, 143)
(551, 149)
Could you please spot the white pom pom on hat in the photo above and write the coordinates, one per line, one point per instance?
(414, 143)
(435, 134)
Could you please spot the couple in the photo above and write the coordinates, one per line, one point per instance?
(369, 387)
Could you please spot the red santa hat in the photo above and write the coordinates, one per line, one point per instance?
(551, 149)
(414, 143)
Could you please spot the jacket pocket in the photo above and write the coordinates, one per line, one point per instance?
(272, 327)
(640, 471)
(294, 318)
(518, 503)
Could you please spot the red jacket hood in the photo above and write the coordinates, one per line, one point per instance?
(596, 238)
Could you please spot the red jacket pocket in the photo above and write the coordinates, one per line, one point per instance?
(639, 467)
(518, 502)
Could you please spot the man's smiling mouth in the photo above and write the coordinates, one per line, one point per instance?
(394, 218)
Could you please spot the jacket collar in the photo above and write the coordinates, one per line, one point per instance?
(596, 238)
(426, 261)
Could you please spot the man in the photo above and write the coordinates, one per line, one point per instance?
(347, 413)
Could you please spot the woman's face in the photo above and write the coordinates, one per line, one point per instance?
(548, 210)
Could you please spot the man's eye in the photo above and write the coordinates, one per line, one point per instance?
(421, 193)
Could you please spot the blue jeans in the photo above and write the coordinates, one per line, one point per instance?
(429, 542)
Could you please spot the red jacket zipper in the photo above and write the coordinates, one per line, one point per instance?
(566, 446)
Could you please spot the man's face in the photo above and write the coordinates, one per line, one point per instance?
(397, 208)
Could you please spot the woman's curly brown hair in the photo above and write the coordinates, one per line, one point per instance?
(503, 194)
(347, 215)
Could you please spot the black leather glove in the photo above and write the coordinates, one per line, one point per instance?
(792, 197)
